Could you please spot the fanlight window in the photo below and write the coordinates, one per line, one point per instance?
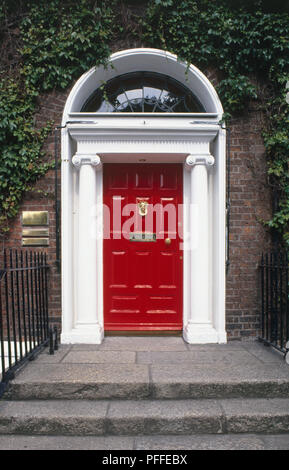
(142, 92)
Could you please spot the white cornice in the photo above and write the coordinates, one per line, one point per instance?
(159, 129)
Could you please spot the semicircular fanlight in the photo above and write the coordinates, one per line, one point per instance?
(142, 92)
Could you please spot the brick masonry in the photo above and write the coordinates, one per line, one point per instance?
(250, 202)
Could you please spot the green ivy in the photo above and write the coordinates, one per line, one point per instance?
(247, 42)
(22, 161)
(59, 41)
(62, 40)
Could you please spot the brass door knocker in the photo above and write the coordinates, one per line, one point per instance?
(143, 208)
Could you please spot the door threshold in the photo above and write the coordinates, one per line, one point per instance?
(144, 333)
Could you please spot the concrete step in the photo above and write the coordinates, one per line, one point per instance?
(148, 443)
(111, 384)
(153, 368)
(149, 417)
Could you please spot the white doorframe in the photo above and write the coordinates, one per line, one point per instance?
(197, 141)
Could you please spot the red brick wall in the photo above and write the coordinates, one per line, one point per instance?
(250, 201)
(42, 199)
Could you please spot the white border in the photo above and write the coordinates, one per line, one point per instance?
(161, 138)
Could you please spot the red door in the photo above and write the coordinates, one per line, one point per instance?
(143, 266)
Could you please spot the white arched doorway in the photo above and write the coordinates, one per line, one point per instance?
(194, 140)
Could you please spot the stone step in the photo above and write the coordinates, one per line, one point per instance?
(153, 368)
(139, 387)
(147, 443)
(149, 417)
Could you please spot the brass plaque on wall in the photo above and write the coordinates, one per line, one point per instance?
(35, 232)
(35, 218)
(35, 241)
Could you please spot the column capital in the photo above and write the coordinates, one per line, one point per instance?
(86, 159)
(192, 160)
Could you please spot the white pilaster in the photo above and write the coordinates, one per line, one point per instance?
(199, 328)
(87, 328)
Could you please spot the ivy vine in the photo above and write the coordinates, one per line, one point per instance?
(248, 44)
(56, 42)
(47, 45)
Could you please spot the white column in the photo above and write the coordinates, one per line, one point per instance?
(87, 329)
(199, 328)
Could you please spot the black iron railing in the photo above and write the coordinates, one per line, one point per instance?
(24, 322)
(275, 301)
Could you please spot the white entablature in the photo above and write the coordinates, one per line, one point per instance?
(164, 136)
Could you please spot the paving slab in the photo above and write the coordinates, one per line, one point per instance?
(256, 415)
(265, 354)
(81, 417)
(164, 417)
(66, 443)
(235, 357)
(276, 442)
(231, 345)
(100, 357)
(57, 357)
(136, 343)
(201, 442)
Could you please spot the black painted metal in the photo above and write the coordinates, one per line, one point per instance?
(274, 301)
(24, 321)
(51, 341)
